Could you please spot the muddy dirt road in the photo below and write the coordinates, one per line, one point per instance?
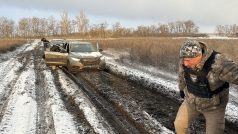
(36, 99)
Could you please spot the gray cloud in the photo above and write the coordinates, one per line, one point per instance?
(203, 12)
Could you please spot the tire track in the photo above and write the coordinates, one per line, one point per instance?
(44, 120)
(8, 87)
(131, 100)
(19, 109)
(115, 118)
(84, 103)
(9, 64)
(72, 107)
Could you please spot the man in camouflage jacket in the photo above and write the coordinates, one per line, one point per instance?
(204, 77)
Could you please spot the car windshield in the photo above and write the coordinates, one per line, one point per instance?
(82, 47)
(57, 41)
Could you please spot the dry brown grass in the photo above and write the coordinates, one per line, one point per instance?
(10, 44)
(163, 52)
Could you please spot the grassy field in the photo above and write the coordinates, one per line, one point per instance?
(163, 52)
(10, 44)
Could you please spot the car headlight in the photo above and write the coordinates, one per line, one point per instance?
(75, 59)
(102, 58)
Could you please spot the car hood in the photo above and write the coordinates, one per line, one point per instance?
(85, 54)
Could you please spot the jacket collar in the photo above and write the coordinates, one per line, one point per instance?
(208, 52)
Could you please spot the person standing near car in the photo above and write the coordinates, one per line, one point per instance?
(204, 77)
(45, 43)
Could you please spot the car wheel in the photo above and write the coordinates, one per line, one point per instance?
(102, 65)
(69, 68)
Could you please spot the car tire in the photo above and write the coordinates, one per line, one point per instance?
(102, 65)
(69, 68)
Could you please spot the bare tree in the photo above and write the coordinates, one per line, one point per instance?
(23, 27)
(6, 27)
(94, 30)
(172, 27)
(52, 26)
(73, 26)
(179, 28)
(119, 31)
(218, 30)
(190, 27)
(153, 30)
(82, 22)
(164, 29)
(34, 26)
(227, 30)
(103, 27)
(116, 29)
(43, 27)
(65, 23)
(142, 31)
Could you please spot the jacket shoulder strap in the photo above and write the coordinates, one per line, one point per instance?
(208, 64)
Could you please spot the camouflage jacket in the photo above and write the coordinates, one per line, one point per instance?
(222, 70)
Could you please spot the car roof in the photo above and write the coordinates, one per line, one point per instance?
(78, 42)
(57, 39)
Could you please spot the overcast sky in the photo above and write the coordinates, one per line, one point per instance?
(205, 13)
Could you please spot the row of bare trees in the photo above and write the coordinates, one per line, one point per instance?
(227, 30)
(39, 27)
(6, 27)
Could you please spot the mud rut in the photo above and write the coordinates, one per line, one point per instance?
(45, 122)
(72, 107)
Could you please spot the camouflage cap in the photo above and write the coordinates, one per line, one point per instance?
(190, 49)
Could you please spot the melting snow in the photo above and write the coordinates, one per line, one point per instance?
(90, 112)
(20, 114)
(63, 121)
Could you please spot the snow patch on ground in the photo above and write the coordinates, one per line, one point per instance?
(34, 44)
(163, 129)
(13, 54)
(7, 73)
(63, 120)
(90, 112)
(231, 113)
(164, 85)
(114, 56)
(20, 114)
(9, 64)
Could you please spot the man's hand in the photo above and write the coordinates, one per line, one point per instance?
(181, 94)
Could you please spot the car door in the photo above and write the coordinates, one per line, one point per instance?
(56, 58)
